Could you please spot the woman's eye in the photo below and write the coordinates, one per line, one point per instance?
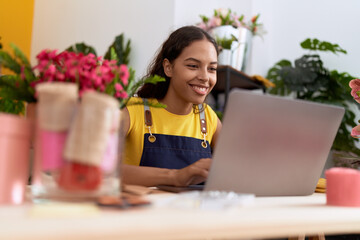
(213, 69)
(192, 66)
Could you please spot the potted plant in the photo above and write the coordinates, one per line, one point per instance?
(18, 89)
(79, 95)
(227, 25)
(309, 79)
(226, 46)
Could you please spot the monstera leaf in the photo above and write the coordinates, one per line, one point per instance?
(310, 80)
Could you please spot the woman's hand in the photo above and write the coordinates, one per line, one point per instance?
(193, 174)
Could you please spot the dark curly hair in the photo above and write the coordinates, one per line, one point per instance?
(171, 49)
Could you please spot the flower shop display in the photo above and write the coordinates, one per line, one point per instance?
(309, 79)
(78, 100)
(227, 27)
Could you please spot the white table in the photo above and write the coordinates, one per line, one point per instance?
(267, 217)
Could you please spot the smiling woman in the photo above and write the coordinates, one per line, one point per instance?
(172, 145)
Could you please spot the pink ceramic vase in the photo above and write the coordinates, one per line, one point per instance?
(15, 135)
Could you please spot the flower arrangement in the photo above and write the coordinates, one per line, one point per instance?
(223, 17)
(89, 71)
(110, 76)
(355, 93)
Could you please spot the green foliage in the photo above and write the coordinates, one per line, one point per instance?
(133, 85)
(13, 88)
(7, 61)
(10, 106)
(309, 79)
(316, 45)
(81, 48)
(119, 51)
(225, 43)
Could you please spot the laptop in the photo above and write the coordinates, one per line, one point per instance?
(271, 145)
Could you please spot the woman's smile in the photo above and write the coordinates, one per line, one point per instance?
(199, 89)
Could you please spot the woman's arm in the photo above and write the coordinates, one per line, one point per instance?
(152, 176)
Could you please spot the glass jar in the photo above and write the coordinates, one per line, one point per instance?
(77, 148)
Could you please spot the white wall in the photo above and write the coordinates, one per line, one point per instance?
(289, 22)
(60, 23)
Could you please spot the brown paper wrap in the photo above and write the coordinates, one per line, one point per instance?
(90, 131)
(56, 105)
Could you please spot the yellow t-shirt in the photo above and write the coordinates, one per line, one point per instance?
(163, 122)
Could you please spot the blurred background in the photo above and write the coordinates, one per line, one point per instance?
(56, 24)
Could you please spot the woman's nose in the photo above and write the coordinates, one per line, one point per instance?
(203, 74)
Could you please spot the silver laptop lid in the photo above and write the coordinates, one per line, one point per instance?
(271, 145)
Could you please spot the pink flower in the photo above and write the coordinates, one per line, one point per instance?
(88, 71)
(202, 26)
(214, 22)
(121, 95)
(118, 87)
(124, 74)
(355, 89)
(355, 132)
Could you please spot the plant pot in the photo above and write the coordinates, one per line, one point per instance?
(14, 158)
(225, 57)
(241, 49)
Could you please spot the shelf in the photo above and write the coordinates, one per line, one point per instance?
(229, 78)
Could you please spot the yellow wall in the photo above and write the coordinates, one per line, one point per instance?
(16, 21)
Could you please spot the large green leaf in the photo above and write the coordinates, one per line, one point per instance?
(81, 48)
(122, 51)
(317, 45)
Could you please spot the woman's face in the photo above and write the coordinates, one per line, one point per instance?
(193, 73)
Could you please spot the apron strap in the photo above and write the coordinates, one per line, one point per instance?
(148, 120)
(202, 119)
(147, 112)
(203, 124)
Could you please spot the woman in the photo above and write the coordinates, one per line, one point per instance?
(172, 145)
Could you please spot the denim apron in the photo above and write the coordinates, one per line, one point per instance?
(173, 152)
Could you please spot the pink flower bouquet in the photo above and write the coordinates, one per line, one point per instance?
(224, 17)
(88, 71)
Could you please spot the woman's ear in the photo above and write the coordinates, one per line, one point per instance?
(167, 67)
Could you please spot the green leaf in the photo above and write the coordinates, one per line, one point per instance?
(113, 55)
(19, 54)
(316, 45)
(122, 51)
(11, 106)
(81, 48)
(9, 62)
(226, 42)
(136, 85)
(13, 87)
